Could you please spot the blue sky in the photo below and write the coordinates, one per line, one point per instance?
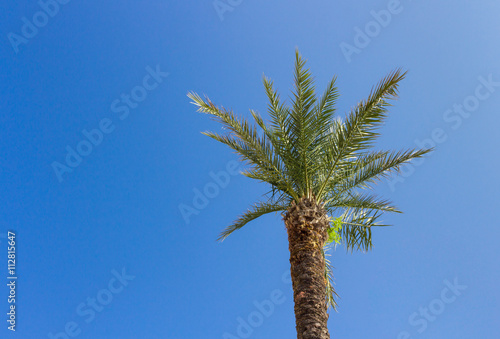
(103, 250)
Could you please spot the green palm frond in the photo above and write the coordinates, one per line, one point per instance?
(255, 150)
(357, 226)
(279, 123)
(366, 201)
(301, 125)
(255, 211)
(370, 168)
(357, 132)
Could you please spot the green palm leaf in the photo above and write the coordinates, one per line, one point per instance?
(255, 211)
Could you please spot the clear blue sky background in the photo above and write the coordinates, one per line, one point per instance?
(119, 209)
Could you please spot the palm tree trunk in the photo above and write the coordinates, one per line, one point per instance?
(307, 224)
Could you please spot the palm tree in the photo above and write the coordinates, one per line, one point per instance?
(319, 167)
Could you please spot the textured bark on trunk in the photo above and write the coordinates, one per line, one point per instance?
(307, 224)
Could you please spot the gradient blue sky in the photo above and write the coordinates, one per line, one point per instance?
(119, 208)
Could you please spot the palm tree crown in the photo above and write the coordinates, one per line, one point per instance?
(306, 151)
